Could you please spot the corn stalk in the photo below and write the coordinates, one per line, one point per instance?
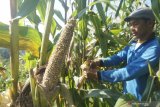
(45, 40)
(14, 49)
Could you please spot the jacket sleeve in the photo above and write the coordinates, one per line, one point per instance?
(115, 59)
(135, 69)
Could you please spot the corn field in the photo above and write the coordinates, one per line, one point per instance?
(47, 41)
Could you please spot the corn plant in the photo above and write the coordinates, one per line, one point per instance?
(96, 34)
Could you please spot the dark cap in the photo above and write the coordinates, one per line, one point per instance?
(142, 13)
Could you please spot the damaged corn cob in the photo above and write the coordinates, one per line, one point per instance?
(53, 69)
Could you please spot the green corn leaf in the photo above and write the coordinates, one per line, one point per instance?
(110, 95)
(98, 32)
(64, 91)
(158, 72)
(64, 5)
(53, 27)
(116, 38)
(34, 18)
(156, 9)
(29, 39)
(148, 90)
(80, 14)
(41, 7)
(151, 72)
(104, 93)
(115, 31)
(124, 100)
(27, 7)
(82, 25)
(78, 97)
(59, 15)
(101, 12)
(81, 4)
(119, 7)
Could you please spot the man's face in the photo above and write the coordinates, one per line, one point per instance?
(139, 27)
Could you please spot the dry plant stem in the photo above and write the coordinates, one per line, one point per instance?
(82, 80)
(52, 72)
(85, 68)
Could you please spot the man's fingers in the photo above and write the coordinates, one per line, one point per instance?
(85, 74)
(94, 63)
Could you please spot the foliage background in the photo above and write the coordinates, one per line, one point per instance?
(100, 32)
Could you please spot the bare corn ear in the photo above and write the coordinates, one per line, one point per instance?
(53, 69)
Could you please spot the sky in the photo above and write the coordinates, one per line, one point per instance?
(5, 11)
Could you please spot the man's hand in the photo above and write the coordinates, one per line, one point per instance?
(91, 74)
(95, 63)
(90, 68)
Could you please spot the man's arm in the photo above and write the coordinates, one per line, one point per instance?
(111, 61)
(135, 69)
(115, 59)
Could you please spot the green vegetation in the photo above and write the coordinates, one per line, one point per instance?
(99, 31)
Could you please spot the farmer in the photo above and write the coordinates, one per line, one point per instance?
(137, 54)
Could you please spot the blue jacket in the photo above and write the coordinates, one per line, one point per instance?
(135, 74)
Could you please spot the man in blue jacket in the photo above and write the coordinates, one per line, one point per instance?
(145, 48)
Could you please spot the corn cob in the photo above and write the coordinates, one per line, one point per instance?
(53, 69)
(85, 68)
